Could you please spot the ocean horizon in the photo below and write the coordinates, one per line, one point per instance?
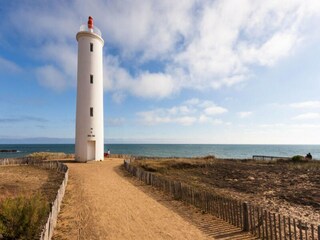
(236, 151)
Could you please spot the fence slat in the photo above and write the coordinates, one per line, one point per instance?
(245, 217)
(300, 229)
(229, 212)
(295, 229)
(279, 226)
(306, 232)
(254, 221)
(266, 220)
(275, 226)
(240, 213)
(259, 232)
(251, 221)
(270, 226)
(289, 225)
(284, 228)
(263, 224)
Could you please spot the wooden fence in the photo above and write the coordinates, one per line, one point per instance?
(48, 229)
(120, 156)
(262, 157)
(15, 161)
(260, 222)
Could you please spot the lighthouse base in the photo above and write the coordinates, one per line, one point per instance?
(89, 150)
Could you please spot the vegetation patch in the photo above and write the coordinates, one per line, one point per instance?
(298, 158)
(278, 185)
(23, 217)
(49, 155)
(162, 165)
(25, 195)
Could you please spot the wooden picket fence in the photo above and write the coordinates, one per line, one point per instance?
(250, 218)
(15, 161)
(47, 231)
(262, 157)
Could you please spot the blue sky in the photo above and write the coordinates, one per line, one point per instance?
(243, 71)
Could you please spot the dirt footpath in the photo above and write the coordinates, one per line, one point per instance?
(102, 203)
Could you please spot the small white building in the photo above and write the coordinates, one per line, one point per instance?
(89, 116)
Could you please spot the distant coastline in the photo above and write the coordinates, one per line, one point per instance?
(174, 150)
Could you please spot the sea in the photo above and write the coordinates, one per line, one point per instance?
(237, 151)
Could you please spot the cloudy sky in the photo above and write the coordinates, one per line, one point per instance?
(245, 71)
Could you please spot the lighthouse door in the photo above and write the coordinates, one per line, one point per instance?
(91, 150)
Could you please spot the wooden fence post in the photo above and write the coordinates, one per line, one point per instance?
(245, 217)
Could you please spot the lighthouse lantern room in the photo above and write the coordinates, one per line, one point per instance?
(89, 113)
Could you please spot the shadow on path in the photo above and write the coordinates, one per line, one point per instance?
(207, 223)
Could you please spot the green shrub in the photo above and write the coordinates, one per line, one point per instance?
(297, 158)
(22, 218)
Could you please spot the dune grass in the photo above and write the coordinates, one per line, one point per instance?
(50, 155)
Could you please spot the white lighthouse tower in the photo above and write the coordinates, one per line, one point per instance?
(89, 119)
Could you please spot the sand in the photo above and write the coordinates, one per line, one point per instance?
(101, 202)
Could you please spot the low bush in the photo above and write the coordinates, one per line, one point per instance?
(209, 157)
(297, 158)
(22, 217)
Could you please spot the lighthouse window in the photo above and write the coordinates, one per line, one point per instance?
(91, 79)
(91, 47)
(91, 112)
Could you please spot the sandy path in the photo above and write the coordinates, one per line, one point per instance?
(100, 203)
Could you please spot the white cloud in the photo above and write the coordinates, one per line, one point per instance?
(190, 112)
(118, 97)
(146, 85)
(50, 76)
(192, 101)
(230, 37)
(200, 44)
(214, 110)
(306, 105)
(273, 125)
(244, 114)
(65, 56)
(116, 78)
(186, 121)
(307, 116)
(62, 73)
(148, 27)
(159, 116)
(47, 22)
(270, 52)
(154, 117)
(219, 121)
(182, 110)
(203, 118)
(49, 30)
(115, 122)
(153, 85)
(6, 65)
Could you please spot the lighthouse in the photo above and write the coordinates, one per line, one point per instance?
(89, 113)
